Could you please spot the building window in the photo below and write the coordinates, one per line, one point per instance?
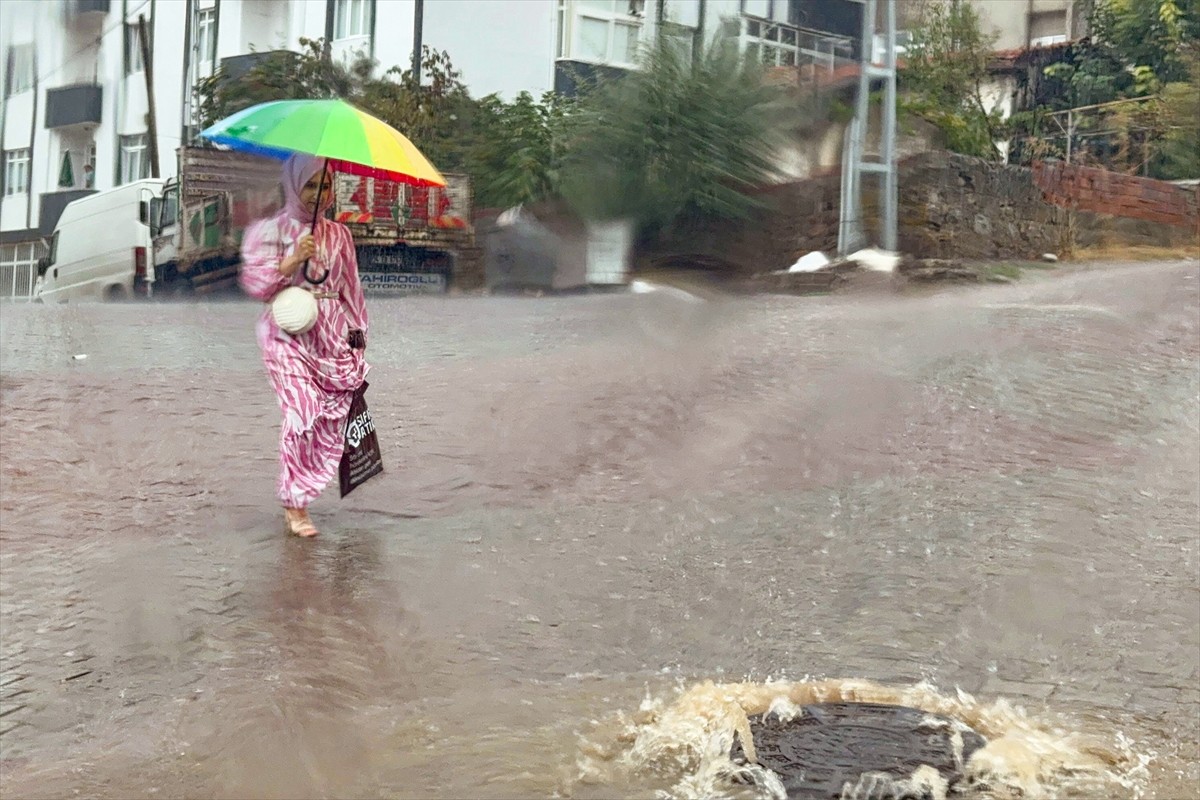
(133, 47)
(20, 68)
(560, 49)
(606, 32)
(1047, 27)
(681, 36)
(206, 42)
(18, 269)
(135, 164)
(16, 172)
(351, 18)
(89, 168)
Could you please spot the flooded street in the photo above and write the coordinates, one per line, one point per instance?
(592, 506)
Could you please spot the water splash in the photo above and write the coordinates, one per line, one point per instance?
(680, 747)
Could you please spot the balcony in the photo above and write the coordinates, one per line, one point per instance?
(74, 105)
(84, 7)
(52, 205)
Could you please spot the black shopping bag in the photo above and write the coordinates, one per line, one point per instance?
(360, 458)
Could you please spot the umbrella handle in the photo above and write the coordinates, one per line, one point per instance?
(313, 228)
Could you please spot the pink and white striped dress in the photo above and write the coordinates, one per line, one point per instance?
(316, 373)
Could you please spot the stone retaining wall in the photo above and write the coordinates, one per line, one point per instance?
(951, 207)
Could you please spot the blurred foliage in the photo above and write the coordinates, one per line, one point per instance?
(685, 136)
(1135, 49)
(1179, 153)
(945, 76)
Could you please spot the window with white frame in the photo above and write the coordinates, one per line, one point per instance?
(16, 172)
(20, 66)
(133, 47)
(605, 31)
(135, 164)
(351, 18)
(206, 42)
(774, 44)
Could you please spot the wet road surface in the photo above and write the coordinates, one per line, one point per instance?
(590, 502)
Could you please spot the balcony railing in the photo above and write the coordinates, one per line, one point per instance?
(74, 105)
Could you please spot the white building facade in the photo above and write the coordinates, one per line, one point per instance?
(75, 107)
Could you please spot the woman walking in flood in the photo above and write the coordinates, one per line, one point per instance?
(315, 373)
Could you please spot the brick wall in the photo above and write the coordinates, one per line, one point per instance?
(1116, 194)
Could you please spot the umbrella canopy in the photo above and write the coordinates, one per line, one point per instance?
(352, 140)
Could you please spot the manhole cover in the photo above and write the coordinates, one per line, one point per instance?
(832, 746)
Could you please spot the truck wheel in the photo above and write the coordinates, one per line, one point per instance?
(115, 294)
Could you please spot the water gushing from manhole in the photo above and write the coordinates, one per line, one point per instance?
(691, 747)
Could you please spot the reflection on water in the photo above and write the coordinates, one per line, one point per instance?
(590, 511)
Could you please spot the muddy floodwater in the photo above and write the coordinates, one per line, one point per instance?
(611, 528)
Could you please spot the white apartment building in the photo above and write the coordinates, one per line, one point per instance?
(75, 106)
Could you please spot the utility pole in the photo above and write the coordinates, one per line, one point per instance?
(148, 71)
(855, 165)
(418, 30)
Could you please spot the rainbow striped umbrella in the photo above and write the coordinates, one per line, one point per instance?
(351, 140)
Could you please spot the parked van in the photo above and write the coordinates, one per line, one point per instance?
(102, 247)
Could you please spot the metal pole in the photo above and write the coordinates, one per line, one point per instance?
(890, 193)
(151, 118)
(1070, 133)
(189, 86)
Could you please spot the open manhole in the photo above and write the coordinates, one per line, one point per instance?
(840, 750)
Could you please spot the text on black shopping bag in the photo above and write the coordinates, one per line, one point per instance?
(360, 458)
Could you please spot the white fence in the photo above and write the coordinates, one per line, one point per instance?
(18, 269)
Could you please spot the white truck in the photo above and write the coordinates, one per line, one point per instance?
(165, 238)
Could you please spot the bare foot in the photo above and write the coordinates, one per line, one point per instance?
(298, 523)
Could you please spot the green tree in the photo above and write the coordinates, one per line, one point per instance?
(946, 75)
(516, 148)
(1149, 33)
(1136, 49)
(1179, 155)
(435, 115)
(681, 136)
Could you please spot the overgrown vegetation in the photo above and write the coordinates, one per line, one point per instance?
(1143, 51)
(945, 76)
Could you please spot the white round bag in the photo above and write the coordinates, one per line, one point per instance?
(294, 310)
